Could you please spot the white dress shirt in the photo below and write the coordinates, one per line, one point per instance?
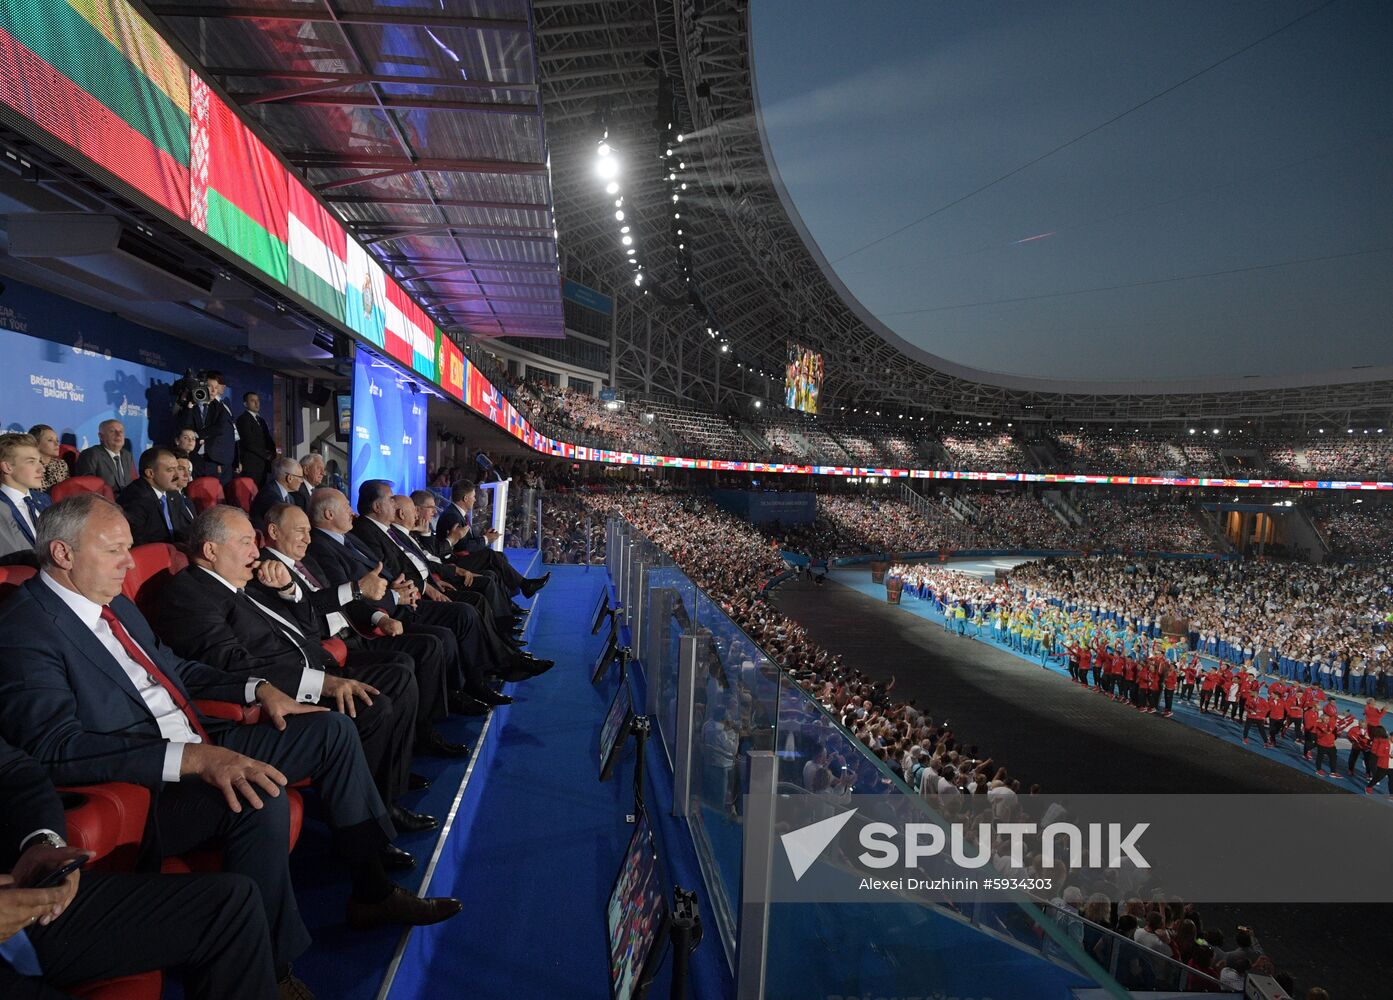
(173, 723)
(343, 594)
(338, 536)
(421, 567)
(20, 499)
(311, 678)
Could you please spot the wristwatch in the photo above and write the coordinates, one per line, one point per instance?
(357, 591)
(43, 837)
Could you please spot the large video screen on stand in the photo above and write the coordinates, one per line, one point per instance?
(389, 427)
(637, 917)
(615, 726)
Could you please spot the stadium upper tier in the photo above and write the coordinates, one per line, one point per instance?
(662, 428)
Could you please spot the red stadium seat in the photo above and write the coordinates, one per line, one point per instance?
(241, 492)
(338, 649)
(12, 576)
(74, 485)
(143, 986)
(154, 565)
(205, 492)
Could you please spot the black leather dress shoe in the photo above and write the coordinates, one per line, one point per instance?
(493, 698)
(530, 587)
(394, 859)
(407, 821)
(436, 745)
(417, 782)
(401, 907)
(517, 609)
(539, 666)
(464, 704)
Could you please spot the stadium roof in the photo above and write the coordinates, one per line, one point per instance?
(421, 124)
(625, 69)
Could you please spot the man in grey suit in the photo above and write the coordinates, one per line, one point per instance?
(109, 460)
(21, 500)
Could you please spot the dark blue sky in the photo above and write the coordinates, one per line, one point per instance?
(879, 113)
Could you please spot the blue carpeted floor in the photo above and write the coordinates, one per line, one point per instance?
(536, 859)
(1187, 714)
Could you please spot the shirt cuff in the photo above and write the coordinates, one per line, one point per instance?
(173, 761)
(44, 832)
(345, 593)
(379, 616)
(293, 596)
(311, 686)
(249, 695)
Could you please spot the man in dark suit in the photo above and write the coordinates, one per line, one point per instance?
(210, 613)
(381, 532)
(108, 460)
(158, 512)
(217, 431)
(255, 444)
(21, 479)
(314, 470)
(472, 551)
(100, 926)
(345, 558)
(283, 488)
(439, 552)
(88, 691)
(348, 612)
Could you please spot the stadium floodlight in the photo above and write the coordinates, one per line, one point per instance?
(725, 348)
(603, 149)
(619, 214)
(619, 202)
(684, 185)
(677, 215)
(674, 197)
(638, 278)
(759, 403)
(1192, 430)
(681, 165)
(629, 251)
(607, 167)
(623, 229)
(669, 151)
(681, 137)
(626, 240)
(612, 187)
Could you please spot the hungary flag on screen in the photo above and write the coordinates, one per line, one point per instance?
(318, 253)
(239, 190)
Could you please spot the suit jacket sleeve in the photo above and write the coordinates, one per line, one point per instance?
(28, 802)
(197, 624)
(142, 517)
(39, 710)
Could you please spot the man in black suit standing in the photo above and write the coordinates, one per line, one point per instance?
(158, 512)
(348, 612)
(314, 470)
(88, 691)
(100, 926)
(255, 444)
(284, 488)
(109, 460)
(217, 431)
(210, 612)
(472, 550)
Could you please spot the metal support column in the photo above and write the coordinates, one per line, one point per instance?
(752, 946)
(640, 605)
(694, 646)
(657, 636)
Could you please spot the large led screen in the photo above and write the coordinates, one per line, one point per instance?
(389, 427)
(802, 379)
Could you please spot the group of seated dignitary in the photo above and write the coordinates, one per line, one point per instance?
(253, 613)
(96, 925)
(90, 692)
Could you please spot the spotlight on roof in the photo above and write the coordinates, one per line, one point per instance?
(607, 167)
(681, 137)
(619, 214)
(612, 187)
(626, 240)
(759, 403)
(725, 348)
(603, 149)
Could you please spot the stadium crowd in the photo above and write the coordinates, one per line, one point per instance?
(206, 604)
(732, 563)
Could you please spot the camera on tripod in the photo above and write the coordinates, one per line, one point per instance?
(191, 389)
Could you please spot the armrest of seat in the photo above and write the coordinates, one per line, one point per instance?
(244, 715)
(107, 819)
(336, 648)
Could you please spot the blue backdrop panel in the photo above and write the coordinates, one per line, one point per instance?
(389, 427)
(74, 389)
(109, 361)
(759, 507)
